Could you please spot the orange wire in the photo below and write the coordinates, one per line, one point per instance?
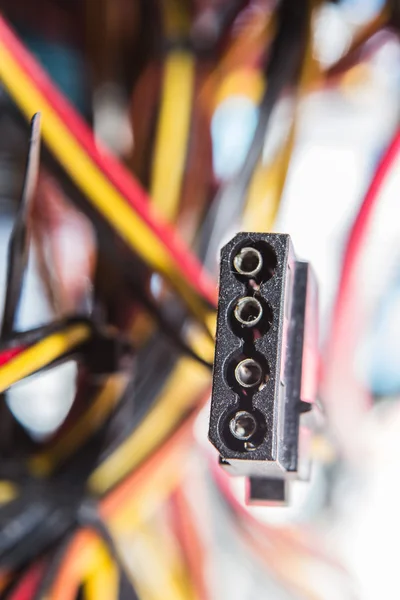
(244, 50)
(365, 33)
(71, 571)
(188, 536)
(152, 470)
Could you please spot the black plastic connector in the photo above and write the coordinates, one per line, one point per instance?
(107, 353)
(265, 364)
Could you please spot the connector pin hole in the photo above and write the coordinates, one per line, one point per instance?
(248, 262)
(243, 425)
(248, 311)
(248, 373)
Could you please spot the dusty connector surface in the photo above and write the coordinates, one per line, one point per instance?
(265, 363)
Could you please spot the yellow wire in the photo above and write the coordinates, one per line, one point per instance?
(41, 354)
(88, 556)
(172, 133)
(43, 463)
(8, 491)
(150, 492)
(160, 573)
(254, 34)
(268, 181)
(102, 580)
(89, 178)
(266, 187)
(188, 380)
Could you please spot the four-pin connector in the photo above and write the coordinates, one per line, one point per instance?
(265, 365)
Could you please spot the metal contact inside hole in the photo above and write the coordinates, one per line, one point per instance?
(248, 373)
(248, 311)
(248, 262)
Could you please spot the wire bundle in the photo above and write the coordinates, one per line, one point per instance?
(120, 449)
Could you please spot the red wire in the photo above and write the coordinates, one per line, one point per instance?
(121, 178)
(9, 354)
(346, 397)
(360, 226)
(29, 583)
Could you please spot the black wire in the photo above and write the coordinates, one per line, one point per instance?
(170, 330)
(394, 12)
(36, 334)
(19, 241)
(12, 434)
(147, 45)
(151, 373)
(45, 511)
(36, 520)
(152, 369)
(207, 37)
(64, 495)
(146, 388)
(285, 57)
